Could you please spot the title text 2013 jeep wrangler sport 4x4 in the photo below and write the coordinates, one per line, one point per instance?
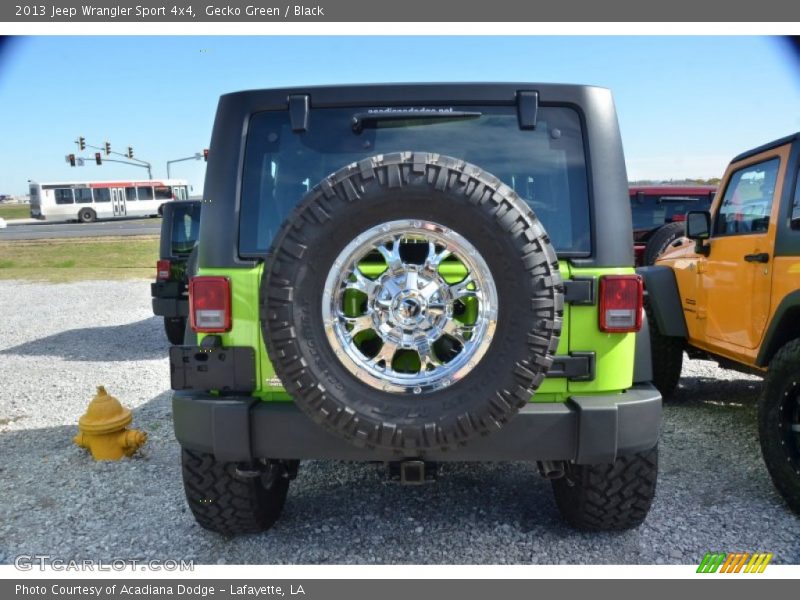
(734, 296)
(415, 274)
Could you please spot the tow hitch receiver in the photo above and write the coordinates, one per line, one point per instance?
(412, 472)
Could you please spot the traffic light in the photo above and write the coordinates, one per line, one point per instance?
(98, 158)
(71, 159)
(130, 151)
(108, 148)
(205, 154)
(82, 143)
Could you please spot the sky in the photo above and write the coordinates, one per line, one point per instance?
(686, 105)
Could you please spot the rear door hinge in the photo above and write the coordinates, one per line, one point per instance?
(527, 108)
(299, 109)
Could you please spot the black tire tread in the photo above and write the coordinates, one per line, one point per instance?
(660, 240)
(483, 192)
(223, 503)
(92, 216)
(610, 497)
(784, 365)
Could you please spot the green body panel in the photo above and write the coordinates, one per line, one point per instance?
(614, 351)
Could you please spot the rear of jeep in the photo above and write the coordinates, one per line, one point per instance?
(414, 275)
(170, 291)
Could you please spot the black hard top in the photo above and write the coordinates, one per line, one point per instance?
(612, 237)
(400, 93)
(768, 146)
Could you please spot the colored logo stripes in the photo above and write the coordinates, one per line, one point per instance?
(734, 562)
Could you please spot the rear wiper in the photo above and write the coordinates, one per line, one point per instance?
(363, 119)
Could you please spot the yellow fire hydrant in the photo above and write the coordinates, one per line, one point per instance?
(103, 429)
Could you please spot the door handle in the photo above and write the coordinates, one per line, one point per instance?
(761, 257)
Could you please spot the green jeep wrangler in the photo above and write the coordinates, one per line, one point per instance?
(410, 275)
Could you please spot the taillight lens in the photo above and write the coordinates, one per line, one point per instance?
(638, 254)
(620, 303)
(210, 304)
(163, 268)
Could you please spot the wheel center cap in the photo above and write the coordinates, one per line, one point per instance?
(408, 308)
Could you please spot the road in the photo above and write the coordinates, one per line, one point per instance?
(45, 230)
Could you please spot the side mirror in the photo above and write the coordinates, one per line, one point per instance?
(698, 225)
(698, 228)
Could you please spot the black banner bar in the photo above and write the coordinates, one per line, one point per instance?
(347, 589)
(459, 11)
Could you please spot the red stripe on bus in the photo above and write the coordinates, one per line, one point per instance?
(127, 184)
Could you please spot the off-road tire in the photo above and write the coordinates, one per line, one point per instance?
(661, 239)
(86, 215)
(453, 194)
(226, 503)
(779, 397)
(608, 497)
(666, 353)
(175, 328)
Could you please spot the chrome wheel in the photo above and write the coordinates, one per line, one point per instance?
(409, 306)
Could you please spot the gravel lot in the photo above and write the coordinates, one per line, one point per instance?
(57, 342)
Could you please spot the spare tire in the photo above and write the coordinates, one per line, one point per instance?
(411, 301)
(661, 239)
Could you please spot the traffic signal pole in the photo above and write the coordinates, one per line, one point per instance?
(196, 156)
(106, 148)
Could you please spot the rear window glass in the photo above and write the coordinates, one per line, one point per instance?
(650, 211)
(185, 228)
(545, 166)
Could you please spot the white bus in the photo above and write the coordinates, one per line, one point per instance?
(90, 200)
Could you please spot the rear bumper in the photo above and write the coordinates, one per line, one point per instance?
(171, 307)
(168, 299)
(585, 429)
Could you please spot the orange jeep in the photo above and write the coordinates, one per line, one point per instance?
(731, 293)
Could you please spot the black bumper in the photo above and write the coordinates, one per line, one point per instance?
(169, 299)
(585, 429)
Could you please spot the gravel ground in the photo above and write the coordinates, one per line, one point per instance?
(57, 342)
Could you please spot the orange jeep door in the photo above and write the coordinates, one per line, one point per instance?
(738, 270)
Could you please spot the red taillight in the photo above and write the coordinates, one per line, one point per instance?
(620, 303)
(638, 254)
(210, 304)
(163, 268)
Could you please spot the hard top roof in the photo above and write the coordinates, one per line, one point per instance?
(768, 146)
